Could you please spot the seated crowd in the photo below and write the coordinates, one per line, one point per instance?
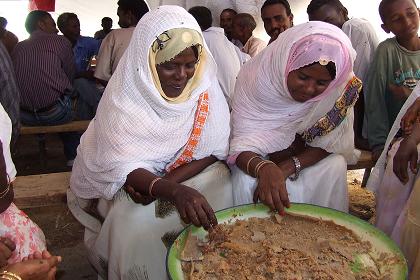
(188, 118)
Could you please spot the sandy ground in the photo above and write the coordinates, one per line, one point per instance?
(64, 234)
(64, 237)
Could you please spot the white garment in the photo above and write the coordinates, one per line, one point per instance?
(111, 50)
(323, 184)
(129, 243)
(266, 118)
(227, 59)
(365, 41)
(5, 136)
(135, 127)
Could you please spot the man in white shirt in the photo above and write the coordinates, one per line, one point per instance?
(228, 57)
(364, 40)
(116, 42)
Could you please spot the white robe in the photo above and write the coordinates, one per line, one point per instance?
(229, 59)
(5, 136)
(364, 39)
(323, 184)
(136, 128)
(129, 244)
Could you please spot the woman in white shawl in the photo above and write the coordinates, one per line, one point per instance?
(293, 104)
(162, 120)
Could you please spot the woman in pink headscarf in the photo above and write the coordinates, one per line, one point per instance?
(292, 120)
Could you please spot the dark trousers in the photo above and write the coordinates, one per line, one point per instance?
(61, 113)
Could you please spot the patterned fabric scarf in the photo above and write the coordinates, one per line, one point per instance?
(337, 114)
(199, 121)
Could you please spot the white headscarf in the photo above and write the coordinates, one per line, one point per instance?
(266, 118)
(135, 127)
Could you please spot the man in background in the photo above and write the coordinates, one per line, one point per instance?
(8, 38)
(115, 44)
(44, 67)
(277, 17)
(84, 48)
(243, 26)
(106, 24)
(226, 21)
(228, 57)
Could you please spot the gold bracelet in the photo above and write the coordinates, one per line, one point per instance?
(152, 184)
(249, 162)
(4, 193)
(257, 170)
(257, 167)
(10, 275)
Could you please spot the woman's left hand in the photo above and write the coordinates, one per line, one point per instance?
(407, 153)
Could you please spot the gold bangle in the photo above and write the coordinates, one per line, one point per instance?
(152, 184)
(257, 170)
(249, 162)
(257, 167)
(10, 275)
(4, 193)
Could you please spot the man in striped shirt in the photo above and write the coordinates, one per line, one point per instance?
(44, 67)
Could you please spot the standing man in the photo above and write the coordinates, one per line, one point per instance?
(106, 28)
(115, 44)
(363, 39)
(243, 26)
(228, 57)
(277, 17)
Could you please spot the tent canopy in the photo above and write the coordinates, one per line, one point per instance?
(91, 12)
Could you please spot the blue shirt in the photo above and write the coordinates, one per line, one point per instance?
(85, 48)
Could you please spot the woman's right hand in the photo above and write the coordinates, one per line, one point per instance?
(193, 207)
(37, 268)
(271, 189)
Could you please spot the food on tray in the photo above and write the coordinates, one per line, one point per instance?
(289, 247)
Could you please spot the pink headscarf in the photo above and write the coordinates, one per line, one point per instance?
(265, 117)
(322, 49)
